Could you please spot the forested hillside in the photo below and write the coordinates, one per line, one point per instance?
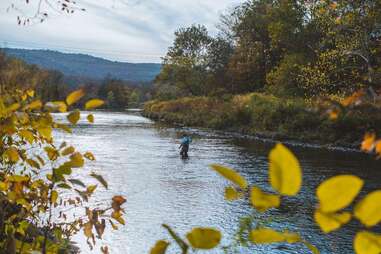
(86, 66)
(51, 85)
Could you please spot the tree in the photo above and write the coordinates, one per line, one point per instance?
(184, 66)
(346, 55)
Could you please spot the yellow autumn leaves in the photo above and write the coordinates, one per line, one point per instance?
(338, 193)
(198, 238)
(285, 176)
(333, 195)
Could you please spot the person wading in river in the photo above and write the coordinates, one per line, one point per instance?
(184, 146)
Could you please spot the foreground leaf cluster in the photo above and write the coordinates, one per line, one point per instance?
(37, 183)
(333, 210)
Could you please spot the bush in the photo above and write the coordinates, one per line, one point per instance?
(256, 113)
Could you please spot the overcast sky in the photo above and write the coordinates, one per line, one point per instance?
(122, 30)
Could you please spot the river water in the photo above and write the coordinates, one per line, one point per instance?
(140, 160)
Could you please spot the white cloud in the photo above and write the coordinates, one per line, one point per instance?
(123, 30)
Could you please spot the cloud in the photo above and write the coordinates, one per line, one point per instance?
(123, 30)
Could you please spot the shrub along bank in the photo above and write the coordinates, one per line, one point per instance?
(269, 116)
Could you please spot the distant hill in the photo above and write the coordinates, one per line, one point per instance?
(86, 66)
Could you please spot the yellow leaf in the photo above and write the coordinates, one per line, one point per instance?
(94, 103)
(263, 201)
(204, 238)
(354, 98)
(268, 236)
(231, 175)
(53, 197)
(68, 150)
(45, 132)
(27, 135)
(61, 106)
(51, 152)
(3, 186)
(33, 163)
(90, 189)
(90, 118)
(368, 210)
(18, 178)
(367, 243)
(338, 192)
(285, 173)
(74, 97)
(13, 107)
(30, 93)
(160, 247)
(232, 194)
(311, 247)
(89, 156)
(329, 222)
(333, 114)
(76, 160)
(37, 104)
(88, 229)
(367, 144)
(74, 116)
(64, 127)
(12, 154)
(117, 215)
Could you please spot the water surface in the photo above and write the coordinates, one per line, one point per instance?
(140, 161)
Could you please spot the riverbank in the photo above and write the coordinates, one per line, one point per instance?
(271, 117)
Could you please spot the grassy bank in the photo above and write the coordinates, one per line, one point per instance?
(269, 116)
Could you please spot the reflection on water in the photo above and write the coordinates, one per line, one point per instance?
(141, 162)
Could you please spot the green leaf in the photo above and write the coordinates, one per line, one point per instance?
(64, 169)
(100, 179)
(64, 186)
(77, 182)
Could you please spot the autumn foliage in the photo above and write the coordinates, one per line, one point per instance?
(36, 173)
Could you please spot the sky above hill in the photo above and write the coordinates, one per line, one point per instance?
(121, 30)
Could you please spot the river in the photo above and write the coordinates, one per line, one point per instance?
(140, 160)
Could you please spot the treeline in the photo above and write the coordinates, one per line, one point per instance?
(287, 48)
(51, 85)
(16, 74)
